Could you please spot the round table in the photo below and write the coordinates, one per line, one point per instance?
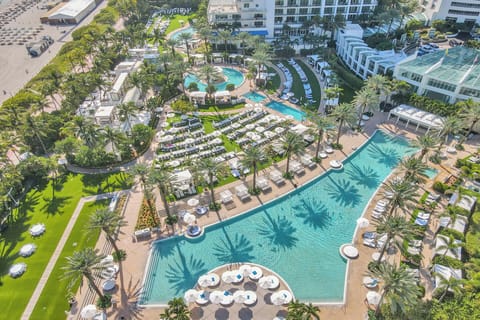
(109, 285)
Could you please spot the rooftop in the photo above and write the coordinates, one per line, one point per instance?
(73, 8)
(222, 6)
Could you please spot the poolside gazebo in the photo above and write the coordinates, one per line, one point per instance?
(197, 97)
(223, 97)
(182, 184)
(416, 116)
(217, 57)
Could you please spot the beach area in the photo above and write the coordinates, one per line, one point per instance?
(17, 66)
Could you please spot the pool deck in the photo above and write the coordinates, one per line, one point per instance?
(132, 270)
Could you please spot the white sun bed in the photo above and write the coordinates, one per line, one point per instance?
(263, 184)
(226, 196)
(276, 177)
(460, 224)
(242, 192)
(307, 161)
(296, 167)
(442, 241)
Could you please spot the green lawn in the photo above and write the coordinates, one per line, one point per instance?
(175, 22)
(275, 81)
(297, 85)
(220, 108)
(53, 302)
(52, 205)
(312, 79)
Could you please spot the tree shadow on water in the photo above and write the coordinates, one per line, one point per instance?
(237, 250)
(313, 213)
(364, 176)
(184, 273)
(385, 155)
(343, 192)
(280, 232)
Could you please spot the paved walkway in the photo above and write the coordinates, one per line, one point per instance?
(58, 250)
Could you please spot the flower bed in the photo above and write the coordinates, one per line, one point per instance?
(145, 218)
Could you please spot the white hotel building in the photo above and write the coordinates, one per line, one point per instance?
(267, 17)
(466, 11)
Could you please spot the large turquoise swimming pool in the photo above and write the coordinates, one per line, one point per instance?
(177, 33)
(231, 76)
(297, 235)
(283, 108)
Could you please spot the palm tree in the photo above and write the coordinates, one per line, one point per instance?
(450, 245)
(185, 37)
(470, 114)
(34, 125)
(450, 283)
(322, 124)
(112, 136)
(343, 113)
(396, 228)
(211, 169)
(399, 288)
(177, 310)
(205, 33)
(84, 264)
(365, 100)
(171, 43)
(157, 36)
(298, 310)
(260, 58)
(142, 171)
(162, 178)
(110, 222)
(244, 38)
(401, 193)
(179, 69)
(380, 85)
(225, 36)
(125, 111)
(252, 158)
(293, 144)
(425, 143)
(208, 73)
(451, 125)
(413, 168)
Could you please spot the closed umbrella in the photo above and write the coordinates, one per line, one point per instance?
(89, 311)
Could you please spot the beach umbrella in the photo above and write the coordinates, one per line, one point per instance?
(269, 282)
(245, 269)
(362, 222)
(27, 250)
(204, 281)
(281, 297)
(193, 202)
(189, 141)
(227, 298)
(250, 126)
(17, 269)
(216, 297)
(89, 311)
(239, 296)
(255, 273)
(228, 277)
(279, 129)
(189, 218)
(191, 295)
(373, 298)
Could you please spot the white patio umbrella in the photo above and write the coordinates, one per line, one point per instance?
(193, 202)
(249, 105)
(279, 129)
(245, 269)
(216, 297)
(228, 277)
(27, 250)
(89, 311)
(216, 133)
(250, 126)
(191, 295)
(204, 281)
(362, 222)
(373, 298)
(281, 297)
(189, 218)
(260, 129)
(239, 296)
(269, 282)
(189, 140)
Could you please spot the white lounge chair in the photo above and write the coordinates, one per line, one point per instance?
(242, 192)
(307, 161)
(276, 177)
(296, 167)
(263, 184)
(226, 196)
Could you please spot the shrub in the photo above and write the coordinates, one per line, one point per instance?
(440, 187)
(448, 261)
(337, 146)
(230, 87)
(121, 255)
(105, 302)
(193, 86)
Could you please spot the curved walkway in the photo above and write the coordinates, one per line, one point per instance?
(58, 250)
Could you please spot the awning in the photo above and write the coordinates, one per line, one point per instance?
(258, 32)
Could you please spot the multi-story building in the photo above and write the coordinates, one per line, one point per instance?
(466, 11)
(444, 75)
(268, 17)
(360, 58)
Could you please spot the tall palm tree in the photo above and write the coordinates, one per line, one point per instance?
(322, 124)
(450, 246)
(157, 36)
(451, 125)
(396, 228)
(413, 168)
(399, 288)
(293, 144)
(260, 58)
(208, 73)
(366, 100)
(252, 158)
(109, 222)
(34, 124)
(298, 310)
(450, 283)
(343, 113)
(112, 136)
(211, 169)
(379, 84)
(162, 178)
(176, 310)
(185, 37)
(425, 143)
(125, 111)
(401, 193)
(84, 264)
(469, 113)
(244, 38)
(171, 43)
(142, 171)
(225, 36)
(205, 33)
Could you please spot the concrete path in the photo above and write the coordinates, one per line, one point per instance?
(58, 250)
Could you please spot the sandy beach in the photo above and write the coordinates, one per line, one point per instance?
(17, 66)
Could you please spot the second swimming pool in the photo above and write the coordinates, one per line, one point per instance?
(283, 108)
(297, 235)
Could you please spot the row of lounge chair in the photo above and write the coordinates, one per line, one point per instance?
(303, 77)
(288, 78)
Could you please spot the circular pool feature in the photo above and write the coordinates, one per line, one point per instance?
(228, 75)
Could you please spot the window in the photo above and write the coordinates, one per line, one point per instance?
(304, 3)
(279, 3)
(328, 10)
(292, 2)
(441, 85)
(278, 20)
(290, 11)
(412, 76)
(258, 23)
(246, 5)
(302, 18)
(278, 12)
(303, 11)
(340, 10)
(470, 92)
(353, 10)
(464, 13)
(465, 5)
(236, 16)
(330, 2)
(290, 19)
(258, 16)
(315, 10)
(317, 3)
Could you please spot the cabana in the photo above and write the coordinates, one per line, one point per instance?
(197, 97)
(416, 116)
(105, 115)
(182, 184)
(217, 57)
(223, 97)
(198, 59)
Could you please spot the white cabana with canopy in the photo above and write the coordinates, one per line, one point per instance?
(198, 97)
(418, 117)
(223, 97)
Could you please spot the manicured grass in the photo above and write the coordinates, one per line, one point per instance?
(297, 85)
(53, 205)
(348, 82)
(53, 301)
(175, 22)
(275, 80)
(220, 108)
(312, 79)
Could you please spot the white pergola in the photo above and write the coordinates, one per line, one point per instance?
(223, 97)
(198, 97)
(417, 117)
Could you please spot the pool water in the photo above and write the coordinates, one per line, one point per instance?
(431, 173)
(232, 76)
(297, 235)
(254, 96)
(283, 108)
(176, 34)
